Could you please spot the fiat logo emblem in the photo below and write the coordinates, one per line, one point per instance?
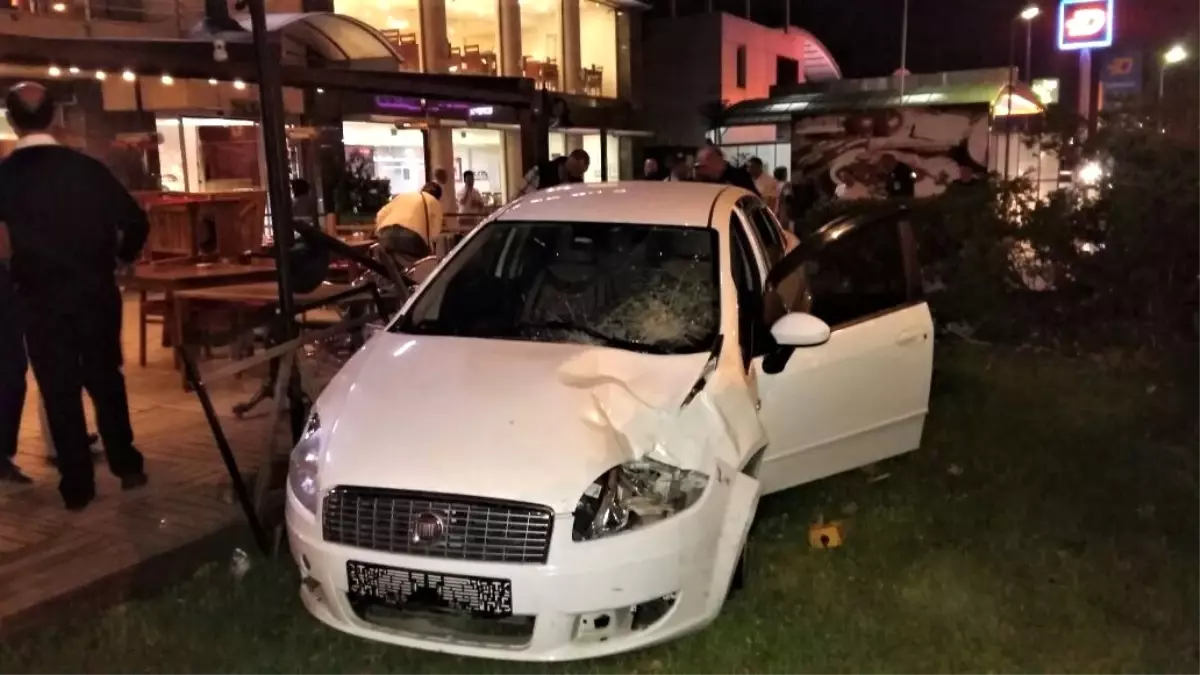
(427, 528)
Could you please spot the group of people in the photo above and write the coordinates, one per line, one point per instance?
(66, 226)
(712, 166)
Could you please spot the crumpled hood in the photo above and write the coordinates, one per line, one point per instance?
(516, 420)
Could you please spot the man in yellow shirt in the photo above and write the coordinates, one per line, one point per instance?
(419, 212)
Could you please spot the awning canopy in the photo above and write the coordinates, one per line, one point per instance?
(193, 58)
(851, 95)
(334, 37)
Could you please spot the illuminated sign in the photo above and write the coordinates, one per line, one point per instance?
(1085, 24)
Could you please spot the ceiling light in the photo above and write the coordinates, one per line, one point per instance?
(100, 75)
(74, 70)
(212, 81)
(320, 90)
(59, 7)
(55, 71)
(128, 76)
(239, 85)
(168, 80)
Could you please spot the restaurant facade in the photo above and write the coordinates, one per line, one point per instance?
(163, 130)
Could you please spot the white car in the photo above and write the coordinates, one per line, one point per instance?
(555, 451)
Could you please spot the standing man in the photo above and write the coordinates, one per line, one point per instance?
(12, 369)
(471, 205)
(569, 169)
(650, 169)
(768, 187)
(711, 167)
(901, 178)
(66, 248)
(785, 208)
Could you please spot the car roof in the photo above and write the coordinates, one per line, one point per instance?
(684, 204)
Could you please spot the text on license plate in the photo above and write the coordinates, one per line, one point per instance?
(397, 587)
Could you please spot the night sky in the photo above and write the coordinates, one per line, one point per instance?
(864, 35)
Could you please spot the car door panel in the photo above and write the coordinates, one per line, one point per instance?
(857, 399)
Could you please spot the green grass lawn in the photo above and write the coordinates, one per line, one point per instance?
(1049, 523)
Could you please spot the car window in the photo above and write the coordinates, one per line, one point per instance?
(765, 229)
(637, 287)
(859, 274)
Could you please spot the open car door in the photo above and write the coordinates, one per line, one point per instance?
(863, 395)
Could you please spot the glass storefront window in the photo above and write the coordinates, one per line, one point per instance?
(481, 151)
(541, 42)
(398, 20)
(473, 30)
(396, 155)
(597, 49)
(591, 143)
(558, 144)
(208, 154)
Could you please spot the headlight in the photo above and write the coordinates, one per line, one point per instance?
(635, 494)
(302, 469)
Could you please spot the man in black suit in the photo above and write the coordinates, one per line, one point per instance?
(712, 167)
(71, 222)
(12, 369)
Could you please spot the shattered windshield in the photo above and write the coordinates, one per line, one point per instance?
(639, 287)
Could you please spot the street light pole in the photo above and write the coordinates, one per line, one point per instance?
(1029, 51)
(903, 51)
(1012, 67)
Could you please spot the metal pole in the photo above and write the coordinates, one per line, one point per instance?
(903, 51)
(214, 423)
(787, 15)
(1012, 66)
(270, 96)
(1029, 50)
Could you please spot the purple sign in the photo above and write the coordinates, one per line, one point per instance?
(414, 106)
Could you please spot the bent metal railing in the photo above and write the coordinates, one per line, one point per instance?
(283, 359)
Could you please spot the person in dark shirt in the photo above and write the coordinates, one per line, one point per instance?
(560, 170)
(901, 178)
(304, 202)
(711, 167)
(12, 370)
(71, 223)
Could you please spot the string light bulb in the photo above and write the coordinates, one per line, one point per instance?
(74, 70)
(54, 71)
(101, 75)
(239, 85)
(168, 80)
(128, 76)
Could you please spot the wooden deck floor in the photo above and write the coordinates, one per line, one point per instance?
(50, 557)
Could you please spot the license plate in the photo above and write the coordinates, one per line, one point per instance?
(401, 588)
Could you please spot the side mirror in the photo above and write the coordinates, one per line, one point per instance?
(798, 329)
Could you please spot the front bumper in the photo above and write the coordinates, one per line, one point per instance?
(577, 605)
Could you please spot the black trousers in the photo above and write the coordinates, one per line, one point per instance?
(12, 369)
(73, 345)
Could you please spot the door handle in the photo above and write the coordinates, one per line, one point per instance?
(908, 337)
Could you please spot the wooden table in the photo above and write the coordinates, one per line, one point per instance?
(172, 278)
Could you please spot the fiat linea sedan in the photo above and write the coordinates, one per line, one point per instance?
(556, 449)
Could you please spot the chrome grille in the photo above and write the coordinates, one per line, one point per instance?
(471, 528)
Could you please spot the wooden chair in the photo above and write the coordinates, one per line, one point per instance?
(593, 81)
(409, 50)
(549, 75)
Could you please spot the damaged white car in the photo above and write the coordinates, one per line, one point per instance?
(556, 450)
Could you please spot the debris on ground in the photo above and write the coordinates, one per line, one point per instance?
(239, 564)
(826, 535)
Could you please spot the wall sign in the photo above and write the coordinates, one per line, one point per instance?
(1085, 24)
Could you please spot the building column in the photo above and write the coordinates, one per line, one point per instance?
(571, 58)
(510, 38)
(435, 57)
(441, 156)
(435, 48)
